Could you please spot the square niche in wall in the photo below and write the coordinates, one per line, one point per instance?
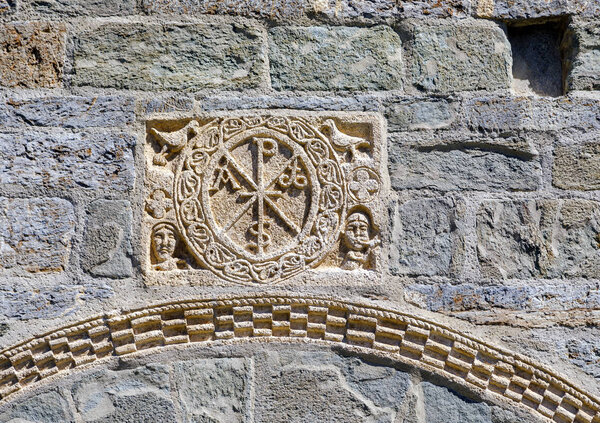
(263, 198)
(537, 60)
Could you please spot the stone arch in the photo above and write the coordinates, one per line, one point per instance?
(494, 373)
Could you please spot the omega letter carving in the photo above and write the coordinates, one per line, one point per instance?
(258, 199)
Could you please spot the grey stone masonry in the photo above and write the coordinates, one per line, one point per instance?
(35, 234)
(543, 238)
(68, 112)
(453, 55)
(81, 7)
(61, 159)
(576, 164)
(424, 238)
(272, 9)
(533, 9)
(449, 161)
(169, 57)
(107, 245)
(583, 44)
(335, 58)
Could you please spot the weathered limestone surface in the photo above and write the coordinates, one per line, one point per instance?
(81, 7)
(335, 58)
(450, 162)
(424, 239)
(48, 407)
(68, 112)
(215, 390)
(576, 161)
(169, 57)
(278, 9)
(449, 56)
(141, 394)
(583, 40)
(107, 245)
(22, 303)
(35, 234)
(543, 238)
(61, 159)
(32, 54)
(532, 9)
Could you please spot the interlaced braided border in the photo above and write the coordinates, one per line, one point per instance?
(400, 336)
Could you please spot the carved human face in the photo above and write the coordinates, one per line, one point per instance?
(163, 243)
(357, 232)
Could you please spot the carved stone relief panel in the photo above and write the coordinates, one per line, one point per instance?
(260, 198)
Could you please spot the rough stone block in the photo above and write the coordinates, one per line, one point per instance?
(68, 112)
(82, 7)
(582, 41)
(32, 54)
(445, 406)
(420, 113)
(447, 56)
(379, 10)
(141, 394)
(533, 238)
(357, 102)
(107, 246)
(168, 104)
(35, 234)
(215, 390)
(46, 407)
(424, 239)
(170, 57)
(534, 296)
(306, 386)
(272, 9)
(5, 6)
(59, 159)
(576, 164)
(451, 161)
(530, 9)
(503, 114)
(24, 303)
(335, 58)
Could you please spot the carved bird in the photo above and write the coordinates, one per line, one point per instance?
(172, 142)
(341, 141)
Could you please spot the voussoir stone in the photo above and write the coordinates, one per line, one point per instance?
(35, 233)
(170, 56)
(335, 58)
(32, 54)
(68, 112)
(447, 56)
(539, 238)
(60, 159)
(107, 245)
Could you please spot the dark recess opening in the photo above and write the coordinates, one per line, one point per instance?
(537, 58)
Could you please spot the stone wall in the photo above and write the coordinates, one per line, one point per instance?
(466, 133)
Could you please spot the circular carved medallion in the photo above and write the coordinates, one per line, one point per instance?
(259, 199)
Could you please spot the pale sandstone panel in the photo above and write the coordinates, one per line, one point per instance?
(263, 198)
